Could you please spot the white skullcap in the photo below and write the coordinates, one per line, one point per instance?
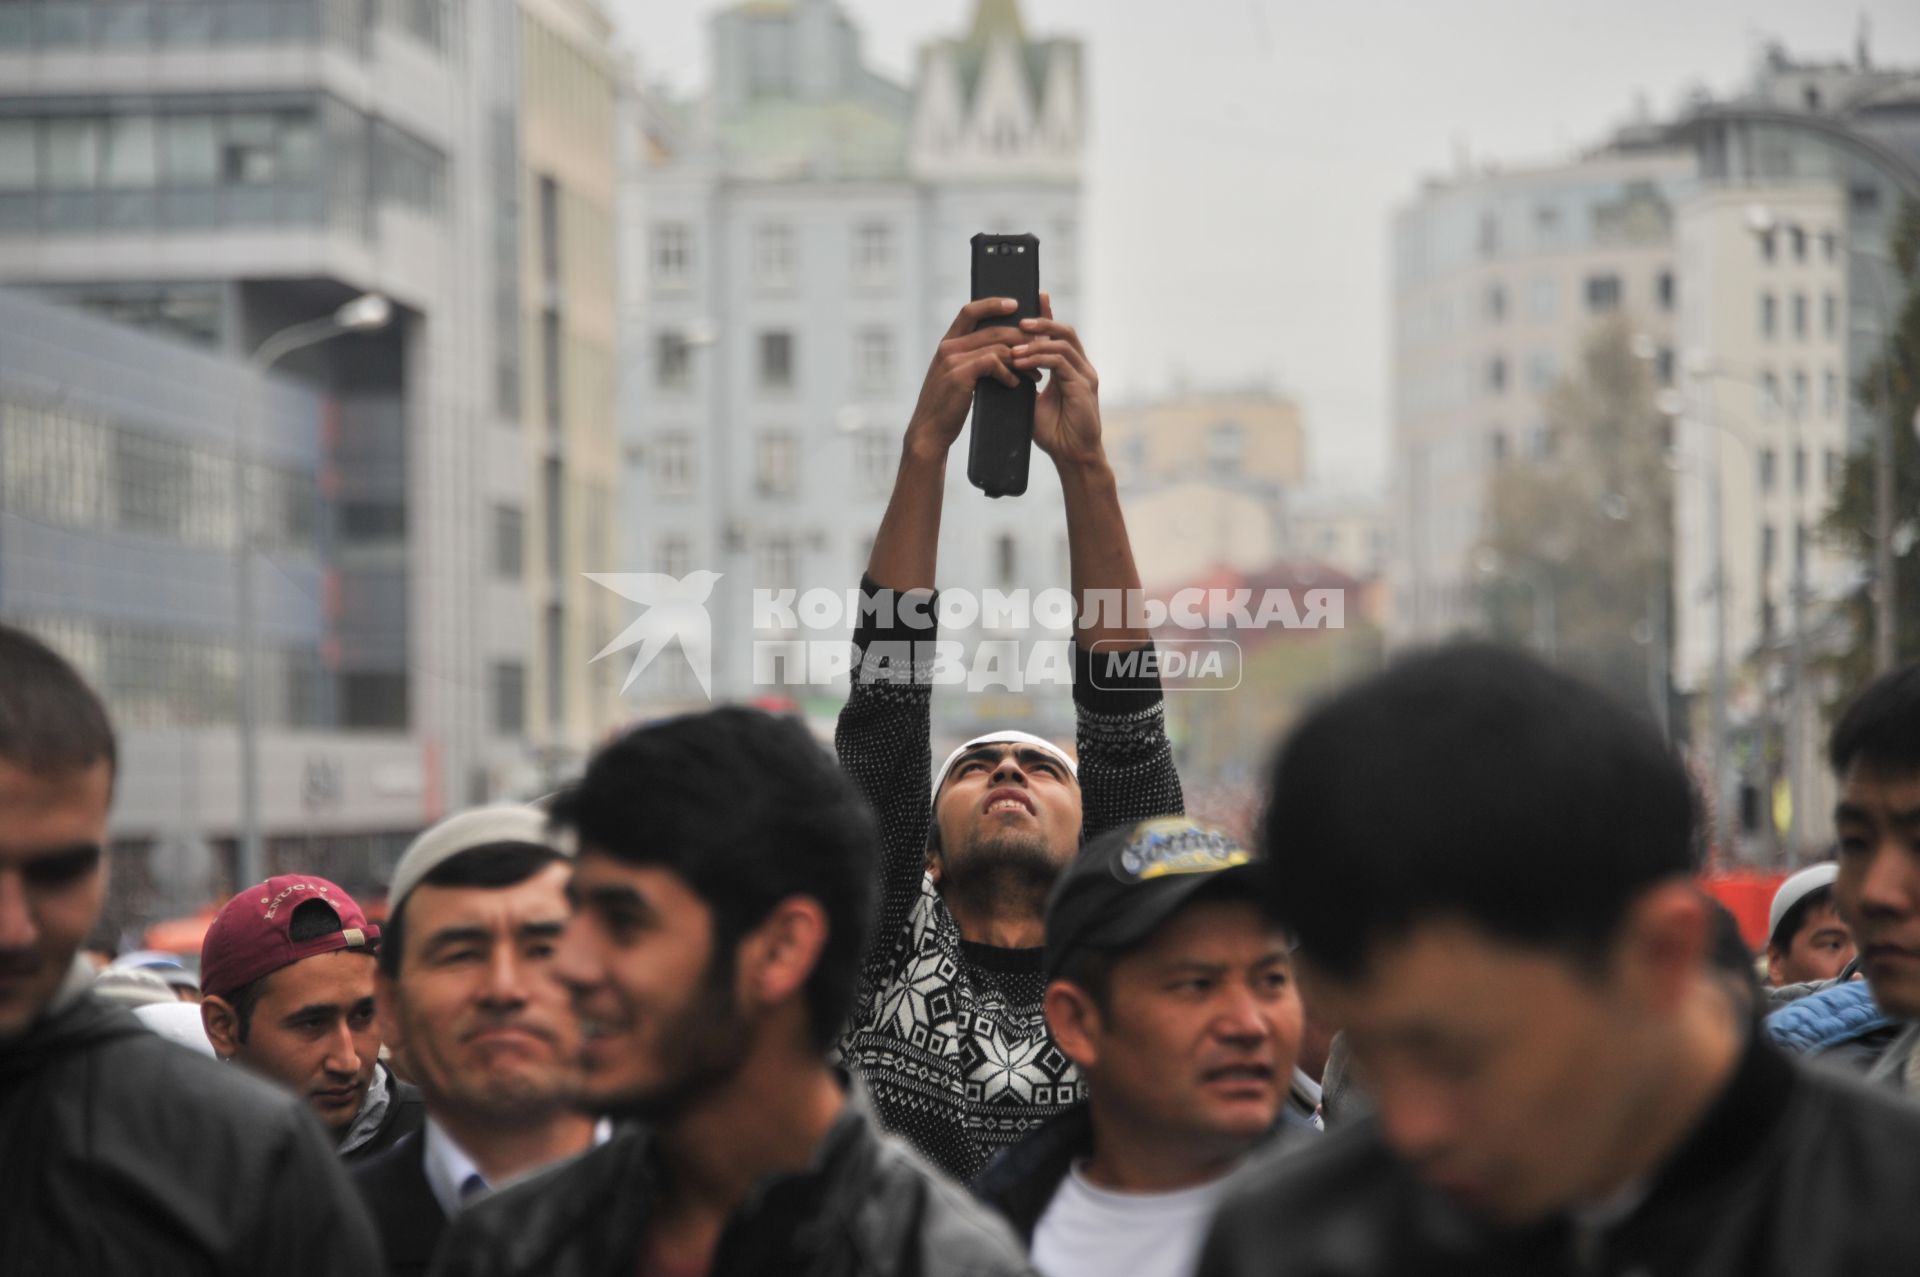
(464, 831)
(177, 1022)
(1796, 888)
(1008, 736)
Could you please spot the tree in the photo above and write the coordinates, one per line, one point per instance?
(1889, 390)
(1578, 543)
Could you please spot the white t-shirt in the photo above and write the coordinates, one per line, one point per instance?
(1096, 1232)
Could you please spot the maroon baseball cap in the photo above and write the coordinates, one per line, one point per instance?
(252, 937)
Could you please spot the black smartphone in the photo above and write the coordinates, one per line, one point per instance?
(1002, 441)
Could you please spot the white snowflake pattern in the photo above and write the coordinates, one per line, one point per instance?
(1007, 1070)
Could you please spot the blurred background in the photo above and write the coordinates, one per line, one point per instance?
(340, 340)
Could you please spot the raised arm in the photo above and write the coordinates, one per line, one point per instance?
(1126, 762)
(883, 731)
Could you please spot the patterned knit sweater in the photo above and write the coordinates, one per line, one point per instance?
(948, 1034)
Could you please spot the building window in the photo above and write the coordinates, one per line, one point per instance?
(1800, 315)
(1497, 447)
(552, 378)
(1829, 314)
(673, 556)
(1800, 394)
(1766, 470)
(1542, 368)
(509, 542)
(776, 464)
(1226, 448)
(1497, 374)
(672, 360)
(776, 361)
(1768, 314)
(873, 359)
(1766, 551)
(1663, 289)
(1799, 469)
(1830, 394)
(1835, 469)
(1797, 241)
(1767, 246)
(779, 564)
(1543, 296)
(1769, 395)
(773, 264)
(509, 698)
(1603, 293)
(1827, 244)
(672, 255)
(673, 465)
(873, 460)
(1663, 365)
(1496, 302)
(873, 254)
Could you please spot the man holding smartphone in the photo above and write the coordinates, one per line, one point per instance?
(948, 1030)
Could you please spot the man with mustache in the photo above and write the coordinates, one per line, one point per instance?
(722, 892)
(125, 1153)
(948, 1031)
(468, 999)
(1875, 753)
(1172, 991)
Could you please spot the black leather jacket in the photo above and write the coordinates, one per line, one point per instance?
(867, 1207)
(121, 1152)
(1790, 1172)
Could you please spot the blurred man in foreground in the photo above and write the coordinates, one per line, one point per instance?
(287, 971)
(1875, 753)
(722, 895)
(1489, 867)
(124, 1152)
(468, 995)
(1173, 992)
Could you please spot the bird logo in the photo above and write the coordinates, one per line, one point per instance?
(676, 609)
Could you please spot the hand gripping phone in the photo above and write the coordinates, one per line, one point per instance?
(1002, 441)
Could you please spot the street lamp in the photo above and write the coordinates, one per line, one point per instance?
(366, 313)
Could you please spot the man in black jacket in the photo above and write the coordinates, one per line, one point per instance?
(125, 1153)
(948, 1031)
(1490, 870)
(1173, 992)
(722, 894)
(467, 994)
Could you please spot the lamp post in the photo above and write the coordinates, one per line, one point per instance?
(365, 313)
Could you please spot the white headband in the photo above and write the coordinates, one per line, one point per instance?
(1006, 737)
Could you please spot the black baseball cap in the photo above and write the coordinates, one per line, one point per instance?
(1128, 881)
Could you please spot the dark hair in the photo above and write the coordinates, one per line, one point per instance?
(310, 919)
(1727, 953)
(51, 722)
(1474, 782)
(494, 864)
(1881, 729)
(1796, 917)
(748, 810)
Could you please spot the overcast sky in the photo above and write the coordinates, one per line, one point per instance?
(1246, 154)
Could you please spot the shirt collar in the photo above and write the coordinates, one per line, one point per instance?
(373, 1111)
(448, 1168)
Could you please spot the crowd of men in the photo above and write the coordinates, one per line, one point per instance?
(728, 1004)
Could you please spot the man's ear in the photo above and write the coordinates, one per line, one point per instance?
(1074, 1020)
(780, 955)
(1664, 942)
(222, 1024)
(1776, 959)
